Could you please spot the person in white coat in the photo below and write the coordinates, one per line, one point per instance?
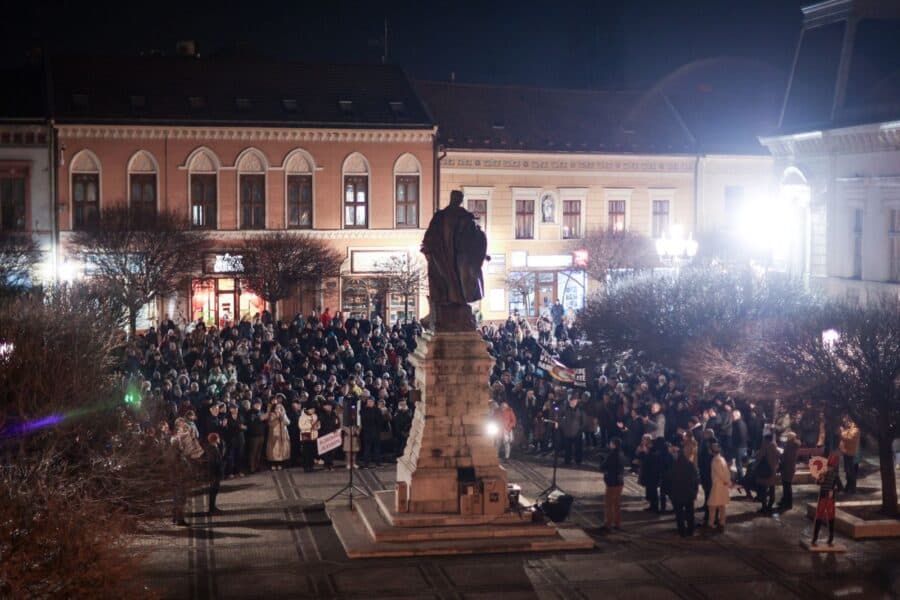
(309, 432)
(720, 493)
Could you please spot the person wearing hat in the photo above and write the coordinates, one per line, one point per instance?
(788, 469)
(308, 426)
(235, 426)
(329, 422)
(255, 435)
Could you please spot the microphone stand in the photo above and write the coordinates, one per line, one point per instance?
(350, 487)
(556, 437)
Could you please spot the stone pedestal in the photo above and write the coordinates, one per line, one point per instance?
(449, 451)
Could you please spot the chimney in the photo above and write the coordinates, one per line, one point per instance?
(186, 48)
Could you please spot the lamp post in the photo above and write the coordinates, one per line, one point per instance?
(674, 248)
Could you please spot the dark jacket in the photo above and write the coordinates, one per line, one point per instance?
(789, 461)
(571, 422)
(704, 462)
(739, 436)
(371, 420)
(683, 481)
(215, 462)
(614, 469)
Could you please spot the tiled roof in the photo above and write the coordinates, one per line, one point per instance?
(186, 90)
(23, 95)
(483, 117)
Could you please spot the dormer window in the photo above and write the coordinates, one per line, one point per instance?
(80, 100)
(242, 103)
(346, 106)
(197, 101)
(289, 104)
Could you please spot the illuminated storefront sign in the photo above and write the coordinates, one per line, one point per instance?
(223, 263)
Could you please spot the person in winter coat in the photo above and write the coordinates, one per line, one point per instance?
(235, 426)
(255, 435)
(329, 424)
(648, 472)
(402, 426)
(828, 485)
(739, 441)
(215, 461)
(507, 420)
(189, 452)
(309, 425)
(720, 492)
(788, 469)
(767, 472)
(684, 483)
(614, 479)
(278, 445)
(372, 422)
(704, 465)
(689, 446)
(571, 427)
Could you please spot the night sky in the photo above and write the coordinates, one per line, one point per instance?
(573, 44)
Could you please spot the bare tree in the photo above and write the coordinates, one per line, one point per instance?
(522, 283)
(69, 451)
(845, 357)
(276, 263)
(19, 255)
(404, 277)
(139, 257)
(611, 251)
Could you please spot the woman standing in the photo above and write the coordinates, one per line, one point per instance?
(278, 446)
(309, 432)
(614, 478)
(720, 494)
(828, 483)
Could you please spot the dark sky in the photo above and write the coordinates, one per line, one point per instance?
(576, 44)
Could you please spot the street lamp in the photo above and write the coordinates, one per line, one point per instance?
(674, 248)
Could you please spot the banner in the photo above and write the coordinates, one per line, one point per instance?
(327, 443)
(560, 372)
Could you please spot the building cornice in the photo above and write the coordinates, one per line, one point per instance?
(878, 137)
(250, 134)
(505, 163)
(233, 236)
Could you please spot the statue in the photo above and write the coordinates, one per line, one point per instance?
(456, 248)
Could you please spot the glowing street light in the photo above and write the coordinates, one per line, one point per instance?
(492, 429)
(830, 337)
(675, 248)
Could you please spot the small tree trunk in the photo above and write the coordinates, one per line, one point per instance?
(274, 310)
(888, 478)
(132, 323)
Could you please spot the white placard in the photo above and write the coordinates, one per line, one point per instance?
(329, 442)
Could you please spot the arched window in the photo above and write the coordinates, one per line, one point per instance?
(406, 191)
(85, 187)
(143, 185)
(298, 168)
(203, 169)
(252, 166)
(356, 191)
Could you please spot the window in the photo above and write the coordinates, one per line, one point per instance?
(203, 201)
(143, 195)
(857, 243)
(356, 201)
(197, 101)
(524, 219)
(407, 201)
(617, 215)
(12, 201)
(660, 218)
(894, 234)
(571, 219)
(86, 199)
(300, 201)
(478, 207)
(242, 104)
(289, 104)
(253, 201)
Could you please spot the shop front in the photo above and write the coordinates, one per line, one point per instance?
(537, 281)
(381, 282)
(220, 296)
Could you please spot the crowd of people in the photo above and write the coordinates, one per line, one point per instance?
(258, 393)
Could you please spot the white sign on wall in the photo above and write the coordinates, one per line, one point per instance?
(549, 261)
(496, 300)
(373, 261)
(228, 263)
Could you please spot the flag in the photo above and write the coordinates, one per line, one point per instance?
(560, 372)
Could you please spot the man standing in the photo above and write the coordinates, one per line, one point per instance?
(571, 424)
(683, 478)
(739, 437)
(256, 431)
(704, 461)
(371, 422)
(614, 478)
(788, 469)
(849, 447)
(766, 472)
(215, 461)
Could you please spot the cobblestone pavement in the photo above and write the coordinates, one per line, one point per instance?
(274, 541)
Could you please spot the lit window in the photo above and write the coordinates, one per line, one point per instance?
(660, 218)
(524, 219)
(617, 215)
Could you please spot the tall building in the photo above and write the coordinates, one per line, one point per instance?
(837, 149)
(541, 167)
(243, 148)
(26, 182)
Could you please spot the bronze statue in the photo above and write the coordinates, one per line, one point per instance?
(456, 248)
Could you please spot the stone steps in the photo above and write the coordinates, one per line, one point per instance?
(386, 502)
(358, 542)
(378, 525)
